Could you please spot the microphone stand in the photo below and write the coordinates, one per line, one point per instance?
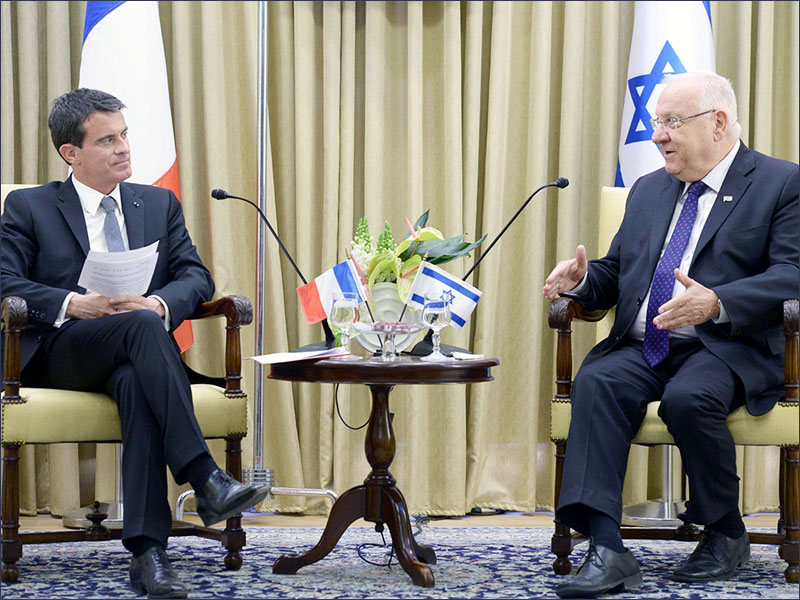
(425, 347)
(330, 339)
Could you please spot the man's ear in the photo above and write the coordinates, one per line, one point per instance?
(69, 153)
(721, 124)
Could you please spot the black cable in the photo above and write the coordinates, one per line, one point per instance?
(336, 401)
(371, 545)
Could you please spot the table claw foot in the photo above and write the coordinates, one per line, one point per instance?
(348, 508)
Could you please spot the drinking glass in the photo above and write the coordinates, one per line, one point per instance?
(343, 315)
(436, 316)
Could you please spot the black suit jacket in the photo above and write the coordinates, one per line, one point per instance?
(747, 253)
(43, 245)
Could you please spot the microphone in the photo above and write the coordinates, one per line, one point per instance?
(330, 339)
(425, 347)
(561, 182)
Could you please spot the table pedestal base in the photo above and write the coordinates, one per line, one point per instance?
(363, 502)
(378, 500)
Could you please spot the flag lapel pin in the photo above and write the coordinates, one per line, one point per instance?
(727, 198)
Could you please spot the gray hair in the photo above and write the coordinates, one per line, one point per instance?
(714, 91)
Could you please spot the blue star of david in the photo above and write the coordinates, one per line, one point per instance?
(640, 129)
(447, 297)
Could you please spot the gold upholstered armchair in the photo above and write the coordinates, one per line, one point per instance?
(778, 427)
(47, 416)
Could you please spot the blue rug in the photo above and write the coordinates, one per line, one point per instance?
(473, 562)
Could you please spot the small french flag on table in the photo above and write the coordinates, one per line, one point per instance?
(316, 297)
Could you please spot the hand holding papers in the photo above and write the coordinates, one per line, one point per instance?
(115, 273)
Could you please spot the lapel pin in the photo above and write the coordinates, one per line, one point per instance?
(136, 204)
(727, 198)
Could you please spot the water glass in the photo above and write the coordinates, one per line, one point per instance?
(436, 316)
(343, 315)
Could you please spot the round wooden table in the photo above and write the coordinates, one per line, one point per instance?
(378, 500)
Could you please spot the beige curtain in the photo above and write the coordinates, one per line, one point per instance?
(386, 110)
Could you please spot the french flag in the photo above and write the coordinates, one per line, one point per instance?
(316, 297)
(123, 55)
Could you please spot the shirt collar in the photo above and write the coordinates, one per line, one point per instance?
(90, 198)
(716, 176)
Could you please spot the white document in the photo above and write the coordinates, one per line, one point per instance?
(115, 273)
(284, 357)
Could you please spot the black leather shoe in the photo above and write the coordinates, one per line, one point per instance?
(715, 558)
(603, 571)
(152, 574)
(222, 497)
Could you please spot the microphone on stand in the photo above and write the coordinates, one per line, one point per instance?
(425, 347)
(330, 339)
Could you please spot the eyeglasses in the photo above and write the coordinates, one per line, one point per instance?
(675, 122)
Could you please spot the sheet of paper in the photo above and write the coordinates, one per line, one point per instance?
(466, 355)
(283, 357)
(115, 273)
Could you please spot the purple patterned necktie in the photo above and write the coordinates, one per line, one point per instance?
(656, 341)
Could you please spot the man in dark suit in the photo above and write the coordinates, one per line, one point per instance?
(706, 254)
(121, 346)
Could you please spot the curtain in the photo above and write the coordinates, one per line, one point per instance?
(384, 110)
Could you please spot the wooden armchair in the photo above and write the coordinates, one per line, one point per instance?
(46, 416)
(779, 427)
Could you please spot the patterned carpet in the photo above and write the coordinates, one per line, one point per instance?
(473, 562)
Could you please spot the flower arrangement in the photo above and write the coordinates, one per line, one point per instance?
(387, 261)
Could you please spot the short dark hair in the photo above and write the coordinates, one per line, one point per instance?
(70, 111)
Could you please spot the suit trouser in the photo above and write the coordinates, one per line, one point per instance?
(609, 401)
(131, 357)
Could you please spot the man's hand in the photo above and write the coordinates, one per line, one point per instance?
(566, 275)
(126, 302)
(697, 304)
(89, 306)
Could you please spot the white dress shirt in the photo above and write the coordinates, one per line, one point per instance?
(705, 203)
(95, 218)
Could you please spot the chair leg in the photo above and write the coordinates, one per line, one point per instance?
(789, 548)
(781, 490)
(233, 537)
(12, 546)
(562, 539)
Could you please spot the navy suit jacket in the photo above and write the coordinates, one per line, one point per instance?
(44, 243)
(747, 253)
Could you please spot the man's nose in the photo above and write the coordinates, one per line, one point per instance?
(123, 147)
(660, 135)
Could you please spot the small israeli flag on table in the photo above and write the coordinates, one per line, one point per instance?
(434, 282)
(668, 38)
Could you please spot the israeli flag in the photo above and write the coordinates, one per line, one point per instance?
(434, 282)
(668, 37)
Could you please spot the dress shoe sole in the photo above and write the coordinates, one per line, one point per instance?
(138, 587)
(210, 518)
(703, 577)
(632, 583)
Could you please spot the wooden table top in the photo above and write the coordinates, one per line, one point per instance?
(404, 370)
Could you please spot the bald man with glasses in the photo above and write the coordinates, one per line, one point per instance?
(706, 254)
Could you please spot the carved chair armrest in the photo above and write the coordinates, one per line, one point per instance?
(237, 311)
(560, 316)
(790, 330)
(564, 310)
(14, 315)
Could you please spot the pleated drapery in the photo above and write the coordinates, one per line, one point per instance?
(384, 110)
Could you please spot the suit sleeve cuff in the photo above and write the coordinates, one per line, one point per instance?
(723, 314)
(167, 319)
(62, 317)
